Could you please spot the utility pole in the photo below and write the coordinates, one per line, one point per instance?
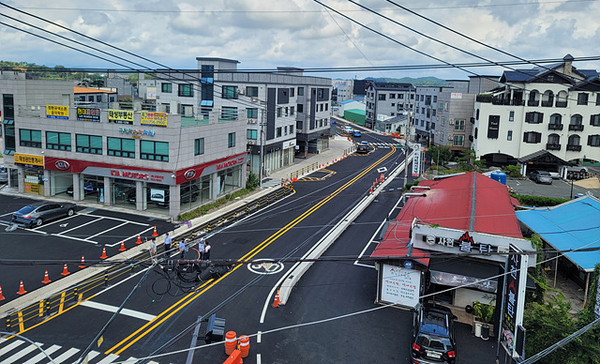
(262, 148)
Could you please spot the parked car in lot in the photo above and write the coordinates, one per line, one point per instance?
(541, 177)
(3, 174)
(38, 213)
(363, 147)
(433, 336)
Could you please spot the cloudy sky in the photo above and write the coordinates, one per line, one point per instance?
(303, 33)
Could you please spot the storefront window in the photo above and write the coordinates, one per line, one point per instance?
(123, 192)
(229, 180)
(34, 182)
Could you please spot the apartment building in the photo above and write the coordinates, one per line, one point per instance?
(57, 145)
(554, 109)
(343, 90)
(389, 99)
(286, 113)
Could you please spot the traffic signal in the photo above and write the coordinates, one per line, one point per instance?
(215, 330)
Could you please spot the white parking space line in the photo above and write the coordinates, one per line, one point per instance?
(78, 226)
(107, 230)
(131, 237)
(125, 311)
(73, 238)
(118, 219)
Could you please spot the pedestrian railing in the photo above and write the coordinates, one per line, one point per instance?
(65, 300)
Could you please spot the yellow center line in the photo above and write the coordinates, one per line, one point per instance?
(244, 258)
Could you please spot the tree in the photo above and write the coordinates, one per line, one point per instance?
(439, 153)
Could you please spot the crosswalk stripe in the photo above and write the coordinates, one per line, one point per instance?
(66, 355)
(91, 355)
(131, 360)
(21, 353)
(10, 346)
(109, 359)
(38, 358)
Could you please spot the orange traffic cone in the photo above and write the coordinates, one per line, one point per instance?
(82, 264)
(65, 271)
(1, 296)
(46, 278)
(154, 234)
(103, 256)
(376, 180)
(139, 241)
(276, 301)
(122, 248)
(230, 342)
(21, 289)
(244, 345)
(381, 178)
(371, 190)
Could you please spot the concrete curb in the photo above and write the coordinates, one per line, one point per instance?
(298, 270)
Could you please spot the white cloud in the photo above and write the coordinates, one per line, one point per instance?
(269, 33)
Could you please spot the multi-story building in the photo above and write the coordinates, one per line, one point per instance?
(443, 115)
(55, 145)
(389, 99)
(285, 111)
(555, 109)
(343, 90)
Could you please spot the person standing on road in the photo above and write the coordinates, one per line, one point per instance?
(206, 254)
(201, 243)
(182, 248)
(153, 250)
(167, 243)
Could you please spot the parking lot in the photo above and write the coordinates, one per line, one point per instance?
(26, 253)
(559, 188)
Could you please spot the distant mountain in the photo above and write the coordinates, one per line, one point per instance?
(421, 81)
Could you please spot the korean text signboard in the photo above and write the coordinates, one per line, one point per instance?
(514, 299)
(88, 114)
(57, 112)
(416, 163)
(34, 160)
(120, 117)
(153, 118)
(400, 285)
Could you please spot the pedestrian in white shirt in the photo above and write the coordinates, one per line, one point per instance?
(206, 255)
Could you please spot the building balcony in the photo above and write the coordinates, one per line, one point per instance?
(533, 102)
(552, 146)
(518, 102)
(575, 127)
(574, 147)
(555, 126)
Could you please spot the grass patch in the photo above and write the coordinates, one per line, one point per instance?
(205, 209)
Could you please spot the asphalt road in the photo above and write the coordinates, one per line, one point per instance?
(31, 252)
(287, 229)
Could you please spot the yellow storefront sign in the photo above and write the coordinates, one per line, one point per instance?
(34, 160)
(122, 115)
(57, 112)
(153, 118)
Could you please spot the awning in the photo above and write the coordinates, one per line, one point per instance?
(459, 272)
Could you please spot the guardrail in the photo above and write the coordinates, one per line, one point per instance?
(66, 299)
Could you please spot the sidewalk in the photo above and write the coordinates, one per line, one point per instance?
(338, 148)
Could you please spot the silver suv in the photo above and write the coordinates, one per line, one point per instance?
(3, 174)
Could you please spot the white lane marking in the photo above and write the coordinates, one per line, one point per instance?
(259, 337)
(10, 346)
(107, 230)
(258, 359)
(367, 246)
(125, 311)
(131, 360)
(21, 353)
(41, 356)
(66, 355)
(109, 359)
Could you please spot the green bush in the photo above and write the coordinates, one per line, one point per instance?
(483, 312)
(252, 182)
(513, 171)
(409, 185)
(204, 209)
(527, 200)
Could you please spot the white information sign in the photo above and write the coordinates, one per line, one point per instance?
(400, 285)
(416, 163)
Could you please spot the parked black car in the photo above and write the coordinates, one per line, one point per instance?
(38, 213)
(433, 336)
(541, 177)
(363, 147)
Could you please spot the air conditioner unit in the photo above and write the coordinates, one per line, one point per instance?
(451, 122)
(251, 142)
(240, 91)
(450, 137)
(253, 99)
(252, 121)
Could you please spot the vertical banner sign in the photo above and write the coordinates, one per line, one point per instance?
(400, 285)
(416, 163)
(597, 308)
(57, 112)
(514, 300)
